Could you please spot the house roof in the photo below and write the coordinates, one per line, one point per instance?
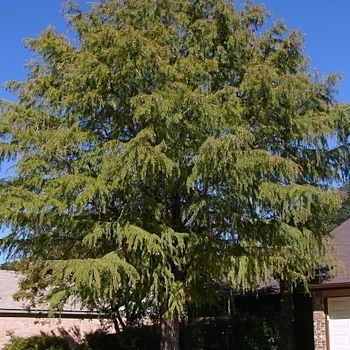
(341, 239)
(8, 286)
(8, 306)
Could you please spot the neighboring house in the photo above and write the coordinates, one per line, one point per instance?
(16, 320)
(319, 320)
(331, 299)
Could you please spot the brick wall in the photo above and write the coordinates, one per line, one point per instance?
(319, 317)
(72, 328)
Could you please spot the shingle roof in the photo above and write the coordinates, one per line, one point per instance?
(341, 237)
(8, 286)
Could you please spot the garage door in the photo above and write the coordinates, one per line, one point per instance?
(339, 323)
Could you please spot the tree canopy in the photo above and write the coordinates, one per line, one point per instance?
(335, 219)
(163, 146)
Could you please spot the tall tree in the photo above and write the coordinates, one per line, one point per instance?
(335, 219)
(171, 144)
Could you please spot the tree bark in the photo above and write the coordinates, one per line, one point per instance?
(169, 326)
(287, 339)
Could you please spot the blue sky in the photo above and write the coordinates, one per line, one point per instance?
(325, 23)
(326, 26)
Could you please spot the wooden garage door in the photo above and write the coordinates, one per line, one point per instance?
(339, 323)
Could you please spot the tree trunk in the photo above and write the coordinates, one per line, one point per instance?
(287, 340)
(169, 326)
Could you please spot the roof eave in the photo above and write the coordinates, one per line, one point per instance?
(335, 285)
(46, 314)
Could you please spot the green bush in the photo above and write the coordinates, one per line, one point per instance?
(101, 340)
(254, 333)
(239, 333)
(39, 342)
(141, 338)
(133, 338)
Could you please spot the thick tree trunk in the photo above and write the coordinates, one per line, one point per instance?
(169, 325)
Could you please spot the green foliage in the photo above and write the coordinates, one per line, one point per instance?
(39, 342)
(335, 219)
(14, 265)
(132, 338)
(240, 332)
(102, 341)
(141, 338)
(170, 144)
(10, 266)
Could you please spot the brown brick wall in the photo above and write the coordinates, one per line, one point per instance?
(319, 316)
(30, 326)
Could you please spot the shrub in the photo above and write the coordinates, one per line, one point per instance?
(254, 333)
(241, 333)
(39, 342)
(141, 338)
(101, 340)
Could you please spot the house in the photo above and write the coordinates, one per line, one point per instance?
(17, 320)
(317, 320)
(320, 319)
(331, 299)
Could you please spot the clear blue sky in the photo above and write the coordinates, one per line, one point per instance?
(325, 23)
